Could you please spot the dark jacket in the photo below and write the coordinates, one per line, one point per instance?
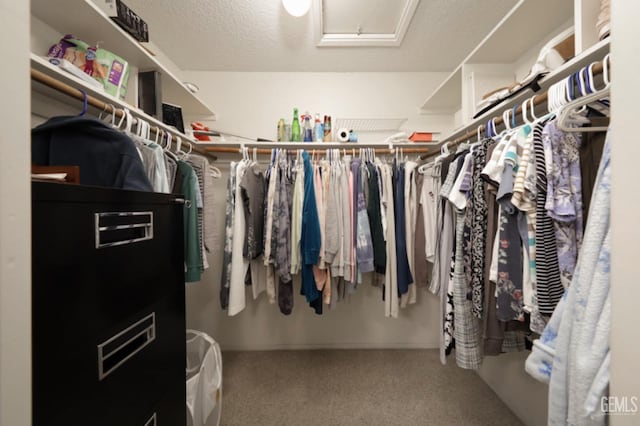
(106, 156)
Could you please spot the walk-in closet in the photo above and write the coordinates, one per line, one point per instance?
(314, 212)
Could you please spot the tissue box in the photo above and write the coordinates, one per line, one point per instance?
(106, 67)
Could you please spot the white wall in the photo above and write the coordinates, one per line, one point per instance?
(625, 291)
(15, 219)
(250, 104)
(525, 396)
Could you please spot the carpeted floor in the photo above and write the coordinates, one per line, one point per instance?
(355, 387)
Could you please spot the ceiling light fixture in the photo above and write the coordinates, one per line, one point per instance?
(297, 8)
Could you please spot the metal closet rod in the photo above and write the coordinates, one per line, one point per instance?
(79, 95)
(537, 100)
(318, 150)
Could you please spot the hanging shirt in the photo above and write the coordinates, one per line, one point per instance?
(429, 207)
(410, 212)
(347, 260)
(375, 220)
(253, 191)
(283, 237)
(564, 195)
(390, 294)
(171, 166)
(404, 273)
(509, 257)
(192, 252)
(296, 218)
(479, 217)
(268, 215)
(364, 246)
(198, 169)
(239, 264)
(549, 288)
(333, 226)
(310, 239)
(225, 280)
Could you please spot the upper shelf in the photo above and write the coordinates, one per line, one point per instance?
(528, 24)
(446, 98)
(41, 64)
(525, 26)
(595, 53)
(86, 21)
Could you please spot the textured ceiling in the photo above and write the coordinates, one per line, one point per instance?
(244, 35)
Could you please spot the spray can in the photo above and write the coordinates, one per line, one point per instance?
(327, 128)
(281, 135)
(318, 129)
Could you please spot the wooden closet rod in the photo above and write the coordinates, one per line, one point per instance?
(78, 94)
(537, 100)
(266, 151)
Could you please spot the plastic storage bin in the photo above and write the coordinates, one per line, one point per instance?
(204, 380)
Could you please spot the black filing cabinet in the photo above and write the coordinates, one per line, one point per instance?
(108, 307)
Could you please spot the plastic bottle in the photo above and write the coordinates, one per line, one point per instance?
(308, 130)
(327, 128)
(295, 127)
(318, 129)
(281, 136)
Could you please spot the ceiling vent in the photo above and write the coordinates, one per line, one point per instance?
(360, 23)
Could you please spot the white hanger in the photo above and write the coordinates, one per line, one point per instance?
(127, 119)
(532, 109)
(570, 108)
(506, 120)
(214, 172)
(444, 152)
(178, 145)
(606, 62)
(523, 107)
(122, 118)
(492, 123)
(112, 113)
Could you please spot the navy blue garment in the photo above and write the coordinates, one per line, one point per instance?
(310, 238)
(105, 155)
(404, 273)
(375, 221)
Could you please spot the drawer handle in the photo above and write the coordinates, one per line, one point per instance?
(152, 421)
(120, 228)
(119, 348)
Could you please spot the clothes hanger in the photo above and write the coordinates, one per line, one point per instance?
(166, 145)
(122, 118)
(85, 103)
(606, 62)
(532, 110)
(444, 152)
(104, 110)
(505, 121)
(585, 100)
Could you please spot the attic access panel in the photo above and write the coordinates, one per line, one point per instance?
(343, 23)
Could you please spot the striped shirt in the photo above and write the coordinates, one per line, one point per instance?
(549, 288)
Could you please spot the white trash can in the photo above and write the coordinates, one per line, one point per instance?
(204, 380)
